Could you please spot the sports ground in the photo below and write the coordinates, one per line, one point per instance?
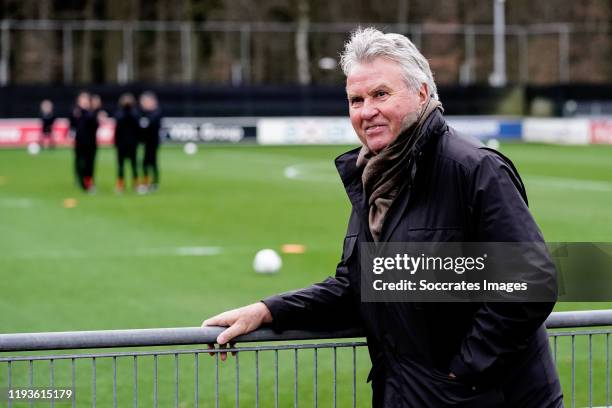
(71, 261)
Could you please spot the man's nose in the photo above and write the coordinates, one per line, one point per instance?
(369, 110)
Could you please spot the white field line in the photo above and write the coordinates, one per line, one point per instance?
(186, 251)
(48, 254)
(141, 252)
(15, 203)
(315, 172)
(312, 172)
(569, 183)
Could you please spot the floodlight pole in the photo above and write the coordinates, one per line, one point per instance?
(498, 77)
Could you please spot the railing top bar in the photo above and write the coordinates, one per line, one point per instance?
(119, 354)
(583, 332)
(151, 337)
(198, 335)
(584, 318)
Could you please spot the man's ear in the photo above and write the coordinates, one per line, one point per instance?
(423, 94)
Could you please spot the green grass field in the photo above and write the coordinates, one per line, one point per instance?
(175, 257)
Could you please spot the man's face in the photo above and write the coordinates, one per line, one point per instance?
(46, 106)
(380, 101)
(148, 103)
(84, 101)
(96, 102)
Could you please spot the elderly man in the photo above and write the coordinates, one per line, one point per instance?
(414, 179)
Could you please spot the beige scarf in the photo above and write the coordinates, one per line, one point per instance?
(383, 172)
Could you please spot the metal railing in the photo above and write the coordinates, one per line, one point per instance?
(300, 373)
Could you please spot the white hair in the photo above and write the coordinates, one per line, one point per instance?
(367, 44)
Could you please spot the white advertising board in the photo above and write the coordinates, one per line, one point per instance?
(305, 130)
(557, 130)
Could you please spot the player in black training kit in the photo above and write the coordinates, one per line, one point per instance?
(84, 123)
(126, 139)
(47, 118)
(150, 124)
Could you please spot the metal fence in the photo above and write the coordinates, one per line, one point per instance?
(306, 369)
(237, 56)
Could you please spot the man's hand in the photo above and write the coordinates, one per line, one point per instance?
(240, 321)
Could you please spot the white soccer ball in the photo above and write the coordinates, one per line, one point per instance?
(493, 144)
(191, 148)
(267, 261)
(33, 148)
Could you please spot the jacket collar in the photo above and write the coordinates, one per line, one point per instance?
(350, 174)
(434, 126)
(346, 164)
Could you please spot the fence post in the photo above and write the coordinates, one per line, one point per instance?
(498, 77)
(186, 52)
(5, 68)
(564, 50)
(67, 54)
(466, 72)
(416, 34)
(523, 40)
(126, 66)
(245, 52)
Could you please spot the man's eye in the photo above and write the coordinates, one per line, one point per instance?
(355, 101)
(381, 93)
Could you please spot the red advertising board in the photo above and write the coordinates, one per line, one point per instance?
(601, 131)
(21, 132)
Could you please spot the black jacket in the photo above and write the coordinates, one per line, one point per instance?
(126, 129)
(85, 126)
(457, 190)
(47, 120)
(150, 124)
